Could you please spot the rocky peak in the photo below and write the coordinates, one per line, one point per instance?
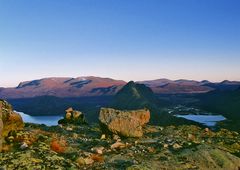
(134, 96)
(205, 82)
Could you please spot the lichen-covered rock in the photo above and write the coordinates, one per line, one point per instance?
(73, 117)
(1, 128)
(124, 123)
(9, 120)
(118, 145)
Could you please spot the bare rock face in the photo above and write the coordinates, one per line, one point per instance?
(124, 123)
(73, 117)
(9, 120)
(1, 128)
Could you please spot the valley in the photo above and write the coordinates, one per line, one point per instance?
(224, 102)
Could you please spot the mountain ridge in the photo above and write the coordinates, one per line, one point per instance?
(98, 86)
(64, 87)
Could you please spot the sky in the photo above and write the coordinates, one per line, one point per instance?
(121, 39)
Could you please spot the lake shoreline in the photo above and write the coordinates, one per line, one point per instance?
(46, 120)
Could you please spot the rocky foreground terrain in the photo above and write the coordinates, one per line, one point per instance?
(74, 144)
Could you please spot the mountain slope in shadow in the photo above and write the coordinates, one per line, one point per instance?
(138, 96)
(135, 96)
(222, 102)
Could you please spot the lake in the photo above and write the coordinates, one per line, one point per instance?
(47, 120)
(208, 120)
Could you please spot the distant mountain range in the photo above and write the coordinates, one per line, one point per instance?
(97, 86)
(64, 87)
(166, 86)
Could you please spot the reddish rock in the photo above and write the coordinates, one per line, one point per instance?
(9, 120)
(124, 123)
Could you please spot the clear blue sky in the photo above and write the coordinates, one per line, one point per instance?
(122, 39)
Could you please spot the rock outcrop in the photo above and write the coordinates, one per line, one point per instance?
(124, 123)
(1, 128)
(9, 120)
(73, 117)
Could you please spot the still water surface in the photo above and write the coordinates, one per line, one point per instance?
(47, 120)
(208, 120)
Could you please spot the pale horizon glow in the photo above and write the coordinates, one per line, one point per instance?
(125, 40)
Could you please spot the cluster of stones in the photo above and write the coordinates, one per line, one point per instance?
(73, 117)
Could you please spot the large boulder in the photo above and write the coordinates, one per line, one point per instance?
(9, 120)
(124, 123)
(73, 117)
